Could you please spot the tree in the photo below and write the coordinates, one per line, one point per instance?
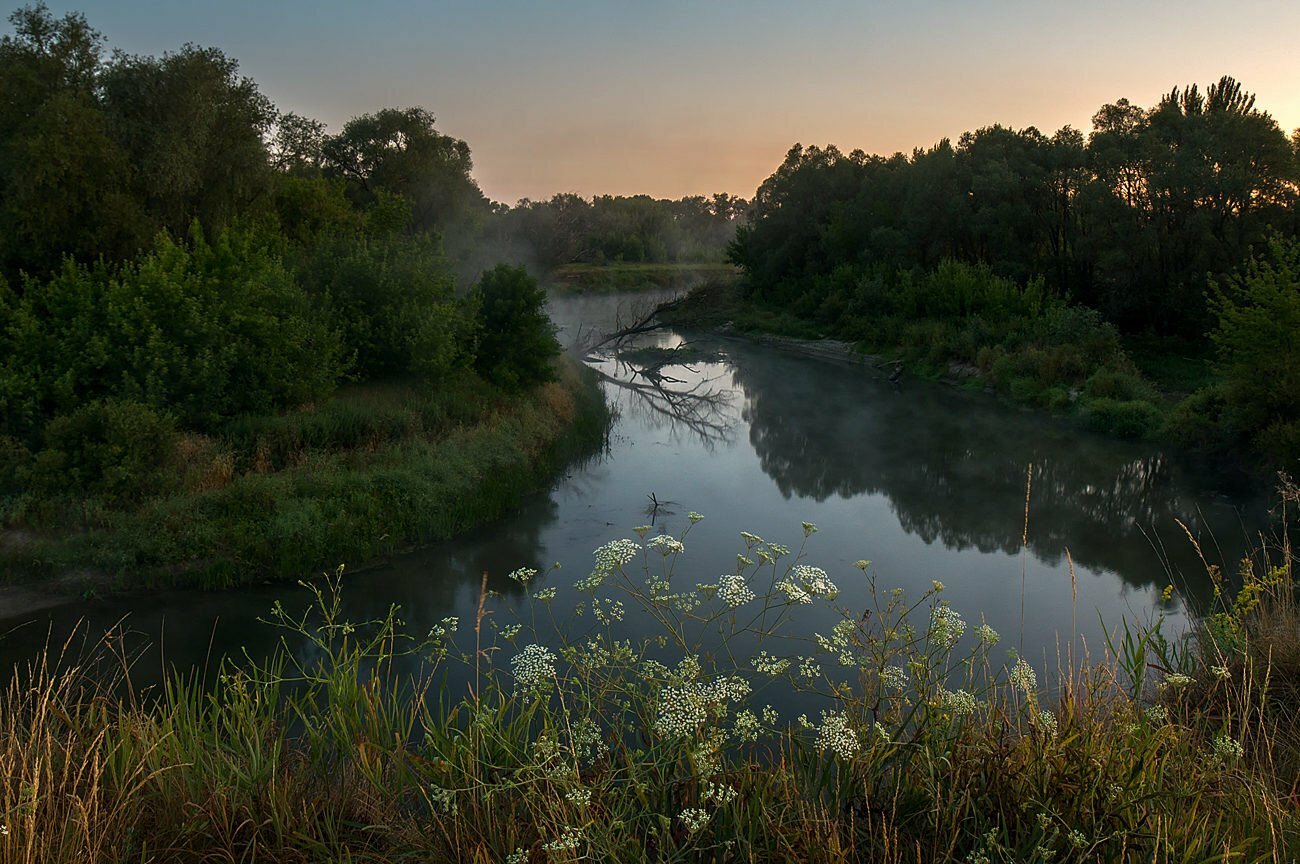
(1258, 338)
(399, 151)
(516, 339)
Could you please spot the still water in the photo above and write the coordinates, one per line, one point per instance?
(924, 480)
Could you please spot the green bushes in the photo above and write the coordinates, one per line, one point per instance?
(516, 341)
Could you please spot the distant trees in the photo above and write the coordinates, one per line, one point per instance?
(1130, 220)
(569, 229)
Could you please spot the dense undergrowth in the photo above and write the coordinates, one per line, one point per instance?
(374, 468)
(923, 739)
(1229, 396)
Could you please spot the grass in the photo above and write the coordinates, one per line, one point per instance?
(373, 470)
(591, 747)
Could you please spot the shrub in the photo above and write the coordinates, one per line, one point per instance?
(1125, 418)
(516, 340)
(115, 449)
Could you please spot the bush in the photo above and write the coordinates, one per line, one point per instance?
(1258, 338)
(516, 340)
(115, 449)
(1125, 418)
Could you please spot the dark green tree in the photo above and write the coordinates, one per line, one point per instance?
(516, 339)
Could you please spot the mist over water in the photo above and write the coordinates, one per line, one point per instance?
(924, 480)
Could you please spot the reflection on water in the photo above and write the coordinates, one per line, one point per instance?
(926, 481)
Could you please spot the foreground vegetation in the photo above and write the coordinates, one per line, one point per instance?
(922, 739)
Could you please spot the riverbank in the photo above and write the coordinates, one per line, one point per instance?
(1070, 365)
(933, 743)
(375, 469)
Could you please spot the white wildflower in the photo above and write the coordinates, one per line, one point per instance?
(837, 735)
(665, 545)
(545, 595)
(523, 575)
(1047, 720)
(510, 631)
(1228, 748)
(946, 626)
(615, 554)
(959, 702)
(893, 677)
(718, 793)
(747, 727)
(568, 841)
(519, 856)
(987, 635)
(733, 591)
(769, 664)
(881, 732)
(815, 581)
(1077, 839)
(1023, 676)
(1157, 714)
(579, 797)
(694, 818)
(793, 592)
(533, 667)
(1221, 672)
(607, 611)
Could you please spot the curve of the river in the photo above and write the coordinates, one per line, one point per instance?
(926, 481)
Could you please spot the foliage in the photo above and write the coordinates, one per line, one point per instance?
(919, 742)
(1258, 339)
(375, 468)
(202, 330)
(1127, 222)
(516, 341)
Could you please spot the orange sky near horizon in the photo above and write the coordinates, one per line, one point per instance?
(677, 98)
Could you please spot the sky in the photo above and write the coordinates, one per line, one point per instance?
(672, 98)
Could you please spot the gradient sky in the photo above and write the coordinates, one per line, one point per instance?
(676, 98)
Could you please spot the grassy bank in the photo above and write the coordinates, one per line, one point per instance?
(924, 740)
(375, 468)
(599, 278)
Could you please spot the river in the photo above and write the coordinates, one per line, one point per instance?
(926, 481)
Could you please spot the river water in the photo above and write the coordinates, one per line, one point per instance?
(926, 481)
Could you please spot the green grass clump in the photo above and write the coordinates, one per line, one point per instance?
(919, 744)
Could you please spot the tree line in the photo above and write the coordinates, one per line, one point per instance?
(1038, 259)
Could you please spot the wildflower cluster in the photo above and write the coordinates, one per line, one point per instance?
(1228, 748)
(684, 708)
(533, 667)
(694, 818)
(959, 702)
(837, 735)
(523, 575)
(733, 591)
(893, 677)
(1024, 677)
(666, 545)
(946, 626)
